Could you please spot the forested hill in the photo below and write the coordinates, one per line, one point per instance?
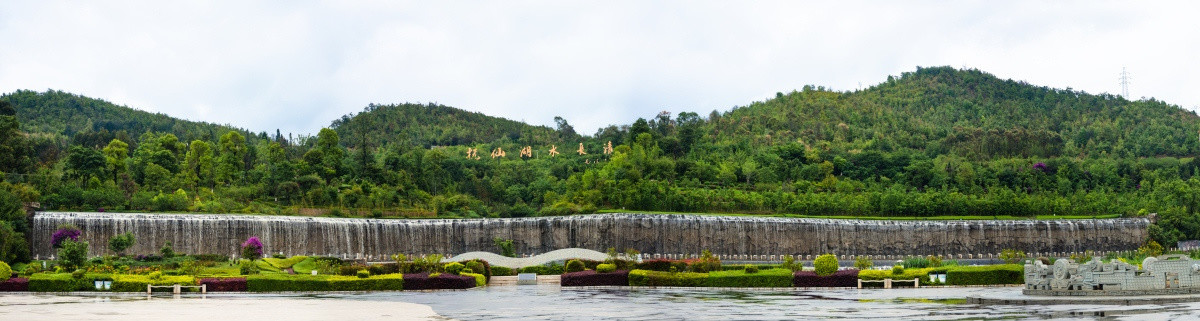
(95, 122)
(969, 113)
(435, 125)
(936, 142)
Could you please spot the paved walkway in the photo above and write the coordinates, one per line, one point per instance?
(540, 259)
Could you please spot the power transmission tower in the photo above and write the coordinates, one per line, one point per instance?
(1125, 83)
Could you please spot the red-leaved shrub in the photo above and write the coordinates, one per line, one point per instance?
(841, 278)
(15, 285)
(225, 284)
(591, 278)
(422, 281)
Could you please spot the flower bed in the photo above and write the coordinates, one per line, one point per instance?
(14, 285)
(224, 284)
(422, 281)
(809, 279)
(283, 282)
(592, 278)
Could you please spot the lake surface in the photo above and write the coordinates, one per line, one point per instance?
(551, 302)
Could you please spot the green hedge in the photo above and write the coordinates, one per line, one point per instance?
(986, 275)
(60, 282)
(909, 274)
(480, 279)
(657, 278)
(138, 283)
(280, 282)
(777, 278)
(502, 271)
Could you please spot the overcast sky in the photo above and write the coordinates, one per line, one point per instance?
(297, 65)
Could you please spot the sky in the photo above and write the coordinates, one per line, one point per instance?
(298, 65)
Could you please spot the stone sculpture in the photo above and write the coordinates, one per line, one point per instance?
(1166, 274)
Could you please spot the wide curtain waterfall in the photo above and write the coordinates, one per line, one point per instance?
(648, 233)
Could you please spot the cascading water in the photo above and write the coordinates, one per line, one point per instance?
(649, 233)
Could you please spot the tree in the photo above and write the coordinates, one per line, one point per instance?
(83, 162)
(199, 163)
(72, 254)
(231, 163)
(331, 154)
(565, 131)
(14, 149)
(115, 154)
(121, 242)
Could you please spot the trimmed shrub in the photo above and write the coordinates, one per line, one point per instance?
(362, 274)
(657, 278)
(656, 265)
(825, 264)
(595, 278)
(351, 269)
(575, 266)
(381, 269)
(281, 282)
(706, 263)
(138, 283)
(502, 271)
(863, 263)
(224, 284)
(247, 267)
(15, 285)
(549, 269)
(772, 278)
(986, 275)
(751, 269)
(5, 271)
(437, 281)
(58, 282)
(906, 274)
(606, 268)
(453, 267)
(809, 279)
(897, 269)
(480, 280)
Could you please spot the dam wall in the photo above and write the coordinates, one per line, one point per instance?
(648, 233)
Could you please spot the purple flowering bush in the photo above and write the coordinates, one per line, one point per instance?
(252, 249)
(1041, 167)
(64, 233)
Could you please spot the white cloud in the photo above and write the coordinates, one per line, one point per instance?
(297, 66)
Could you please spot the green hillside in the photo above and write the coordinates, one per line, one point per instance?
(66, 114)
(935, 143)
(434, 125)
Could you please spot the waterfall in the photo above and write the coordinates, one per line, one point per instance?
(648, 233)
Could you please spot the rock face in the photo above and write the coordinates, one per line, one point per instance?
(648, 233)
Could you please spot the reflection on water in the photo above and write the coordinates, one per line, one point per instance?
(545, 302)
(551, 302)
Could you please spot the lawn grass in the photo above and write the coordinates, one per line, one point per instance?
(306, 266)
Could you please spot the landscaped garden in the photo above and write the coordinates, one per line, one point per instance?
(73, 270)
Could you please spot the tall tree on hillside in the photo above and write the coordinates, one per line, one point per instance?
(331, 153)
(231, 164)
(199, 163)
(14, 150)
(115, 154)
